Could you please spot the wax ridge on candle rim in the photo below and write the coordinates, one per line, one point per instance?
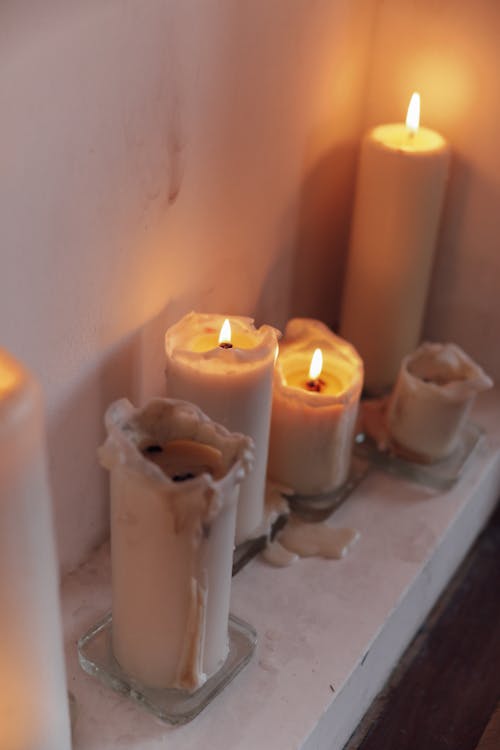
(130, 430)
(395, 137)
(342, 368)
(188, 341)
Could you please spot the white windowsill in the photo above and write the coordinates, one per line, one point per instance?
(321, 623)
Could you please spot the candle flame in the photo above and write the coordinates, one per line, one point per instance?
(225, 333)
(316, 364)
(8, 375)
(413, 114)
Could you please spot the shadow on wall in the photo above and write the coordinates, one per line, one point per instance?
(447, 260)
(464, 304)
(133, 369)
(324, 214)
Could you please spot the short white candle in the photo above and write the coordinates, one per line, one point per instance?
(33, 698)
(175, 476)
(432, 398)
(400, 189)
(232, 383)
(314, 413)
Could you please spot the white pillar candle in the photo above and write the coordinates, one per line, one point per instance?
(400, 188)
(314, 414)
(433, 395)
(175, 476)
(33, 698)
(232, 383)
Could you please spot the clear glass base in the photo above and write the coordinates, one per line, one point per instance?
(440, 475)
(174, 706)
(319, 507)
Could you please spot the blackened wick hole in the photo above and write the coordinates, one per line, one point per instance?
(153, 449)
(182, 477)
(226, 345)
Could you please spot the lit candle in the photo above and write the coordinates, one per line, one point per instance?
(175, 476)
(431, 401)
(401, 182)
(227, 369)
(317, 386)
(33, 698)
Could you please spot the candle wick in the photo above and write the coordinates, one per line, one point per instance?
(226, 345)
(315, 385)
(183, 477)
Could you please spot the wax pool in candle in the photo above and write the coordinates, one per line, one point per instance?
(313, 420)
(33, 698)
(400, 189)
(233, 385)
(174, 487)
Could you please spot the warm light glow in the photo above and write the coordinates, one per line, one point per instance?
(225, 333)
(8, 376)
(276, 353)
(413, 115)
(316, 364)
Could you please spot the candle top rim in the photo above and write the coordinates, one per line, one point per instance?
(302, 336)
(163, 420)
(397, 137)
(183, 334)
(444, 370)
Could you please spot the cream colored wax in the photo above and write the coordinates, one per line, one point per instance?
(33, 698)
(233, 386)
(312, 430)
(175, 476)
(401, 182)
(432, 398)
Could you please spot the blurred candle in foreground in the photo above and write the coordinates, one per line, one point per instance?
(317, 385)
(33, 698)
(225, 366)
(400, 189)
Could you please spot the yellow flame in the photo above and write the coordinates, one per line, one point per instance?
(316, 364)
(413, 114)
(225, 333)
(276, 353)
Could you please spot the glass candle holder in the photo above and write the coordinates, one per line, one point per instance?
(175, 476)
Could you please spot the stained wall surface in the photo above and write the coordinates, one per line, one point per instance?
(157, 157)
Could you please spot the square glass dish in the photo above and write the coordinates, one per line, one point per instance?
(440, 475)
(174, 706)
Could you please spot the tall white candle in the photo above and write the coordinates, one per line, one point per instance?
(175, 476)
(400, 188)
(233, 385)
(33, 698)
(314, 412)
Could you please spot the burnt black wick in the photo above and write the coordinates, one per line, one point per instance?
(182, 477)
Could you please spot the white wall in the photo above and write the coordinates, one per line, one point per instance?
(156, 157)
(450, 51)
